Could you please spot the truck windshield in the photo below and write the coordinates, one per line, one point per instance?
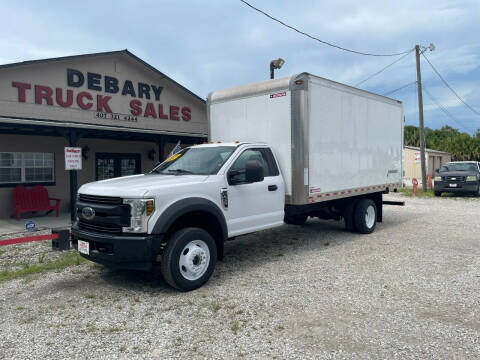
(196, 161)
(459, 167)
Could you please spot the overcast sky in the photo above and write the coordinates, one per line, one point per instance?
(209, 45)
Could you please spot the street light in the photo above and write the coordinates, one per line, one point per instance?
(275, 64)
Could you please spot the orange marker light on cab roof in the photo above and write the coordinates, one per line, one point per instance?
(219, 142)
(237, 142)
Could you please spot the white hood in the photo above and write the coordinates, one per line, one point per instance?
(137, 186)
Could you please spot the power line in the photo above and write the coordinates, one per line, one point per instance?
(383, 69)
(451, 89)
(317, 39)
(400, 88)
(445, 111)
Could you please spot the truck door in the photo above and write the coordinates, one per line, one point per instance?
(259, 205)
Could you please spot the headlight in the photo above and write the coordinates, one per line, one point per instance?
(472, 178)
(438, 178)
(140, 212)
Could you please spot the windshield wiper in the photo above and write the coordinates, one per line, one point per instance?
(180, 171)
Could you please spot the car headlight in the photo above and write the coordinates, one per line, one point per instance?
(140, 212)
(438, 178)
(472, 178)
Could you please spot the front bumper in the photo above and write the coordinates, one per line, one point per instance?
(121, 252)
(461, 187)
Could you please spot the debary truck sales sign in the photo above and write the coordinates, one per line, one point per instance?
(114, 90)
(87, 100)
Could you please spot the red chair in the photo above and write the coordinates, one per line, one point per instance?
(35, 199)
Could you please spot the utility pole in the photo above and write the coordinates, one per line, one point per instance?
(420, 120)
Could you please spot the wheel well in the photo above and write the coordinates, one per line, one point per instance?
(203, 220)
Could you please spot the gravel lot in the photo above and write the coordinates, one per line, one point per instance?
(410, 290)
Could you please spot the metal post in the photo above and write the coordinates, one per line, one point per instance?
(271, 70)
(161, 141)
(420, 119)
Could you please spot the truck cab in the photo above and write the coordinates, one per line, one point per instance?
(196, 199)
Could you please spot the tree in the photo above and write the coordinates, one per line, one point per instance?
(462, 146)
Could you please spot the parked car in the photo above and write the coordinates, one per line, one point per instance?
(458, 177)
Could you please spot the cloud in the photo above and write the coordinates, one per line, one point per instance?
(207, 45)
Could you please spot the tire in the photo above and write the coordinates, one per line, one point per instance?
(437, 193)
(295, 219)
(189, 259)
(348, 218)
(477, 194)
(365, 216)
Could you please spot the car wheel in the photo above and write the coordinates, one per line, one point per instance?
(365, 216)
(348, 216)
(437, 193)
(189, 259)
(295, 219)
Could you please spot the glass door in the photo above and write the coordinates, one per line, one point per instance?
(111, 165)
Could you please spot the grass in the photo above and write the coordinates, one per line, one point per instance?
(2, 252)
(216, 305)
(235, 326)
(67, 259)
(420, 192)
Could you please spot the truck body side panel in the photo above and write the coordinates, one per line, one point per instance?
(331, 140)
(355, 141)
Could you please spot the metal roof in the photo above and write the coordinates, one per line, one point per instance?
(107, 53)
(427, 150)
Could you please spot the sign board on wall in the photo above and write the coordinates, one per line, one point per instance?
(417, 157)
(73, 158)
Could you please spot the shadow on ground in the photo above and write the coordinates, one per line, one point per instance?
(251, 251)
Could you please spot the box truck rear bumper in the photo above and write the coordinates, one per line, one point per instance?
(120, 252)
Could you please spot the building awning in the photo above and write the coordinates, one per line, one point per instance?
(76, 125)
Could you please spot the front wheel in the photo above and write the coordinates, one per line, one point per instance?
(365, 216)
(437, 193)
(189, 259)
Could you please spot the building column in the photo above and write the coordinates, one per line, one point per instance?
(161, 141)
(73, 137)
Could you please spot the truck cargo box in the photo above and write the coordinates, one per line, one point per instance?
(331, 140)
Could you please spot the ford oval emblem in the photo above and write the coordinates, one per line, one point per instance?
(88, 213)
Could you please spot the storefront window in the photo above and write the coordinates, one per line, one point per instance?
(18, 168)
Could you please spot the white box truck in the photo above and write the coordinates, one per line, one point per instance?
(280, 151)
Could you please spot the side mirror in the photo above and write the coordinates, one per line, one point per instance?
(437, 170)
(253, 171)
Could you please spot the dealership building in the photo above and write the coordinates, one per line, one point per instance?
(120, 112)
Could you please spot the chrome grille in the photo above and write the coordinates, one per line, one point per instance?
(104, 200)
(455, 178)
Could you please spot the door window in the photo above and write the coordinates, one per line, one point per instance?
(263, 156)
(110, 165)
(105, 169)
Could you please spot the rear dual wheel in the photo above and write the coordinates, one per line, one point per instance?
(361, 216)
